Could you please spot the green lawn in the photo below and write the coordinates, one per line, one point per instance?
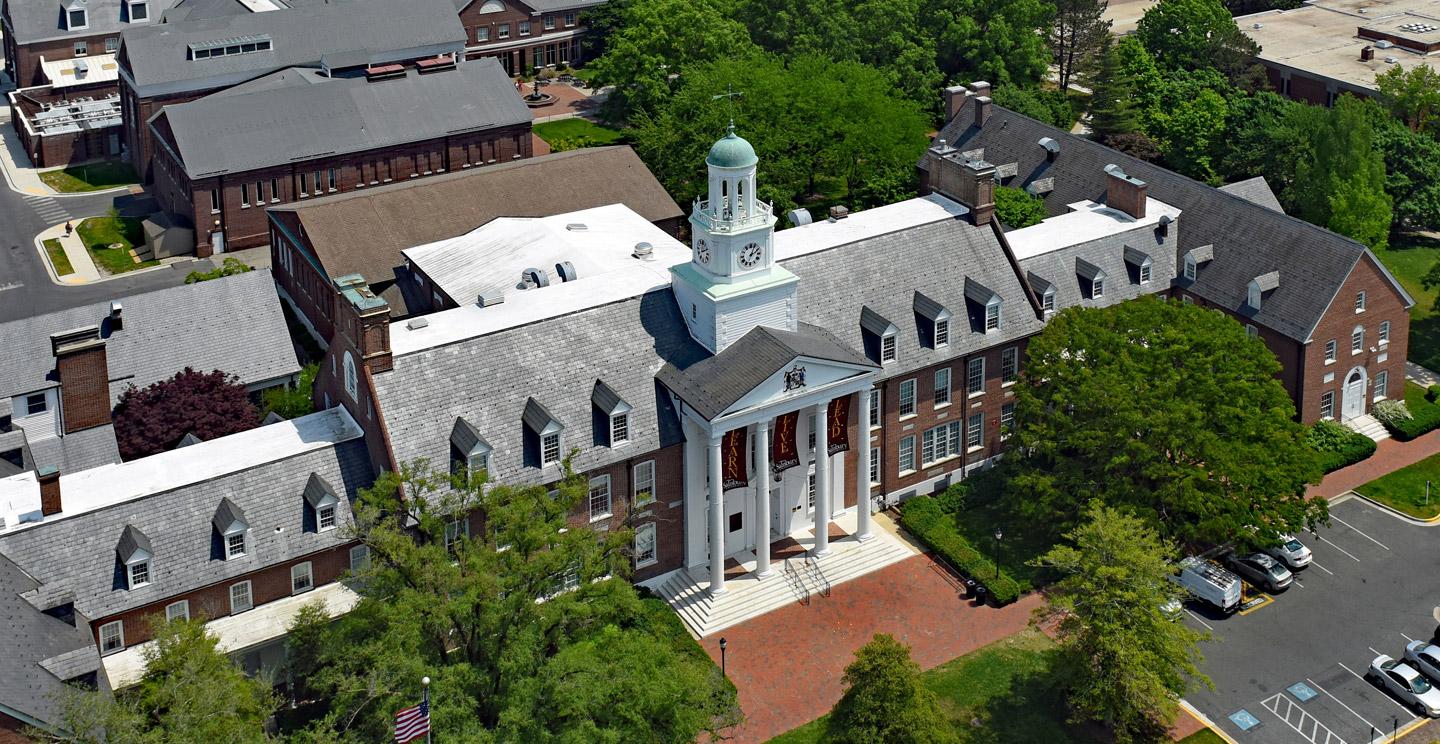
(1404, 489)
(58, 259)
(1004, 692)
(576, 132)
(99, 233)
(1203, 736)
(90, 177)
(985, 511)
(1409, 259)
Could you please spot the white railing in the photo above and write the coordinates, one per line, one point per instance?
(727, 220)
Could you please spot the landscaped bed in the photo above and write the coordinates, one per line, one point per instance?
(58, 259)
(100, 233)
(90, 177)
(1422, 413)
(574, 133)
(1006, 691)
(1404, 489)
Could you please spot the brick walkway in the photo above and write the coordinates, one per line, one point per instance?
(1390, 455)
(787, 664)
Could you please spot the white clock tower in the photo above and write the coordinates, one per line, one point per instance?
(731, 283)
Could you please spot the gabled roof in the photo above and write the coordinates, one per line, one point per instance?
(712, 386)
(228, 515)
(131, 541)
(538, 418)
(467, 439)
(1256, 190)
(40, 651)
(875, 322)
(1248, 239)
(929, 308)
(318, 491)
(40, 21)
(607, 400)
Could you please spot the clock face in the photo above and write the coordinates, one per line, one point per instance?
(750, 255)
(702, 252)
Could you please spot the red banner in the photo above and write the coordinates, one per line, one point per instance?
(837, 434)
(783, 453)
(735, 458)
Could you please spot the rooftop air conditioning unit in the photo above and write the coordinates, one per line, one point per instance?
(801, 216)
(415, 324)
(1383, 44)
(533, 278)
(576, 227)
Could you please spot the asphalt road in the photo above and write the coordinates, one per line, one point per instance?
(1295, 665)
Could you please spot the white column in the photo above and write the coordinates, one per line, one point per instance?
(717, 519)
(822, 479)
(762, 500)
(862, 470)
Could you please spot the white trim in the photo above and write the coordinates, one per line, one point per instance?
(119, 628)
(184, 606)
(249, 597)
(298, 570)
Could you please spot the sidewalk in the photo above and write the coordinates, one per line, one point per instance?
(22, 178)
(85, 270)
(1390, 455)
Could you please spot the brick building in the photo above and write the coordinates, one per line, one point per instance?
(525, 35)
(317, 242)
(220, 161)
(201, 53)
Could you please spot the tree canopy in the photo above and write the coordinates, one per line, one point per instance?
(516, 622)
(1342, 185)
(207, 404)
(885, 700)
(1412, 96)
(1017, 208)
(1124, 661)
(1200, 35)
(1078, 33)
(1172, 411)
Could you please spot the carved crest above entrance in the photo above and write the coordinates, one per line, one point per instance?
(795, 378)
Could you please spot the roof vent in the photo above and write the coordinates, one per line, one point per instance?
(1383, 44)
(576, 227)
(801, 216)
(117, 318)
(566, 271)
(643, 251)
(1052, 148)
(1391, 60)
(839, 212)
(1258, 26)
(415, 324)
(533, 277)
(1114, 170)
(488, 297)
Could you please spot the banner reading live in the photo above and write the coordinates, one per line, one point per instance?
(783, 453)
(838, 433)
(734, 457)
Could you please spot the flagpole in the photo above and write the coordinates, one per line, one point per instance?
(425, 684)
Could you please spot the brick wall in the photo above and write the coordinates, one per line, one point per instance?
(516, 52)
(312, 291)
(84, 388)
(26, 57)
(1382, 304)
(135, 112)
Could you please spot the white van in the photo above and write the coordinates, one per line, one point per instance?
(1207, 581)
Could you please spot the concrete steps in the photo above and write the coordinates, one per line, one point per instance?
(1369, 426)
(747, 597)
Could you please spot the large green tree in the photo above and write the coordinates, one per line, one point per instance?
(1342, 185)
(999, 41)
(1200, 34)
(190, 693)
(1125, 662)
(1412, 170)
(886, 701)
(1078, 33)
(1112, 99)
(1265, 135)
(1412, 96)
(509, 621)
(1165, 408)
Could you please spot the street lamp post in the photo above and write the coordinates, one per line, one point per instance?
(998, 536)
(722, 658)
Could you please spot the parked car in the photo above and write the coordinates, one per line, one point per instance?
(1291, 551)
(1208, 582)
(1425, 657)
(1404, 682)
(1261, 570)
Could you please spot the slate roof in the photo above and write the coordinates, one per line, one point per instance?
(40, 651)
(715, 384)
(363, 232)
(38, 20)
(1112, 255)
(82, 450)
(1249, 239)
(235, 131)
(76, 554)
(377, 30)
(1255, 190)
(162, 333)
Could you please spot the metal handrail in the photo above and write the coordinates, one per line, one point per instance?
(796, 582)
(820, 579)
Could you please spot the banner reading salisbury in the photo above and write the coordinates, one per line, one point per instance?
(838, 433)
(783, 453)
(733, 455)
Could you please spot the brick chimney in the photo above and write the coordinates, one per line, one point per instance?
(365, 318)
(49, 478)
(968, 181)
(982, 110)
(1125, 193)
(84, 378)
(955, 96)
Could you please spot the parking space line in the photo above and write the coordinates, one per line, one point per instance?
(1357, 529)
(1383, 693)
(1342, 702)
(1272, 704)
(1198, 620)
(1406, 637)
(1322, 568)
(1373, 651)
(1342, 550)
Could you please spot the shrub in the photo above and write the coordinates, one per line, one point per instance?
(1050, 106)
(923, 518)
(155, 418)
(1016, 208)
(291, 402)
(1392, 412)
(228, 267)
(1338, 446)
(1409, 419)
(886, 700)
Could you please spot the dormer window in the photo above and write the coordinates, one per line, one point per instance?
(234, 531)
(1252, 297)
(135, 554)
(1044, 290)
(1047, 301)
(76, 18)
(988, 304)
(1139, 264)
(1190, 266)
(992, 317)
(550, 449)
(887, 348)
(323, 500)
(613, 413)
(881, 336)
(139, 11)
(934, 320)
(547, 431)
(1092, 278)
(468, 449)
(1259, 286)
(942, 332)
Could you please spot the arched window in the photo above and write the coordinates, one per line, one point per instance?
(740, 194)
(350, 380)
(492, 6)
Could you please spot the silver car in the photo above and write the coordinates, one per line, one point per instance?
(1291, 551)
(1404, 682)
(1261, 570)
(1425, 657)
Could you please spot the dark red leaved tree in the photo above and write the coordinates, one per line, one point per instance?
(206, 404)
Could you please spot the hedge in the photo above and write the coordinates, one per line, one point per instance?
(931, 525)
(1338, 446)
(1424, 416)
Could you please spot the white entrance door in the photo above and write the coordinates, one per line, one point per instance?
(779, 512)
(217, 242)
(1354, 401)
(736, 529)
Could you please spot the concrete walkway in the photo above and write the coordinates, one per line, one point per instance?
(1420, 375)
(85, 269)
(15, 164)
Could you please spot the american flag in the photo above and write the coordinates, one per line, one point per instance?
(412, 723)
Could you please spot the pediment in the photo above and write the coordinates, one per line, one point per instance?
(795, 379)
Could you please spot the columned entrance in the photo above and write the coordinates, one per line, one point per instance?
(1353, 394)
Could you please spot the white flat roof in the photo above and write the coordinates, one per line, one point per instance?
(1322, 37)
(1086, 221)
(116, 483)
(601, 254)
(818, 236)
(63, 73)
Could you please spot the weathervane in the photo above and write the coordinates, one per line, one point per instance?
(731, 94)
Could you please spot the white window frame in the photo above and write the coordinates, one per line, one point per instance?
(116, 630)
(30, 404)
(523, 28)
(359, 557)
(545, 448)
(549, 22)
(454, 530)
(619, 428)
(942, 387)
(1190, 267)
(1145, 271)
(244, 196)
(1384, 332)
(975, 432)
(1097, 287)
(975, 377)
(321, 514)
(70, 22)
(942, 333)
(940, 443)
(1047, 301)
(131, 11)
(1331, 351)
(906, 408)
(646, 558)
(1357, 340)
(876, 408)
(1360, 302)
(112, 44)
(906, 455)
(570, 19)
(215, 202)
(643, 485)
(482, 34)
(171, 615)
(504, 31)
(874, 466)
(1382, 382)
(1327, 405)
(888, 351)
(600, 488)
(1009, 365)
(131, 568)
(230, 552)
(352, 381)
(302, 571)
(992, 316)
(249, 603)
(1007, 420)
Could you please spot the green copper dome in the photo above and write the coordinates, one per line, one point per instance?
(732, 151)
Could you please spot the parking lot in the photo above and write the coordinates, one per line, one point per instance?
(1292, 669)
